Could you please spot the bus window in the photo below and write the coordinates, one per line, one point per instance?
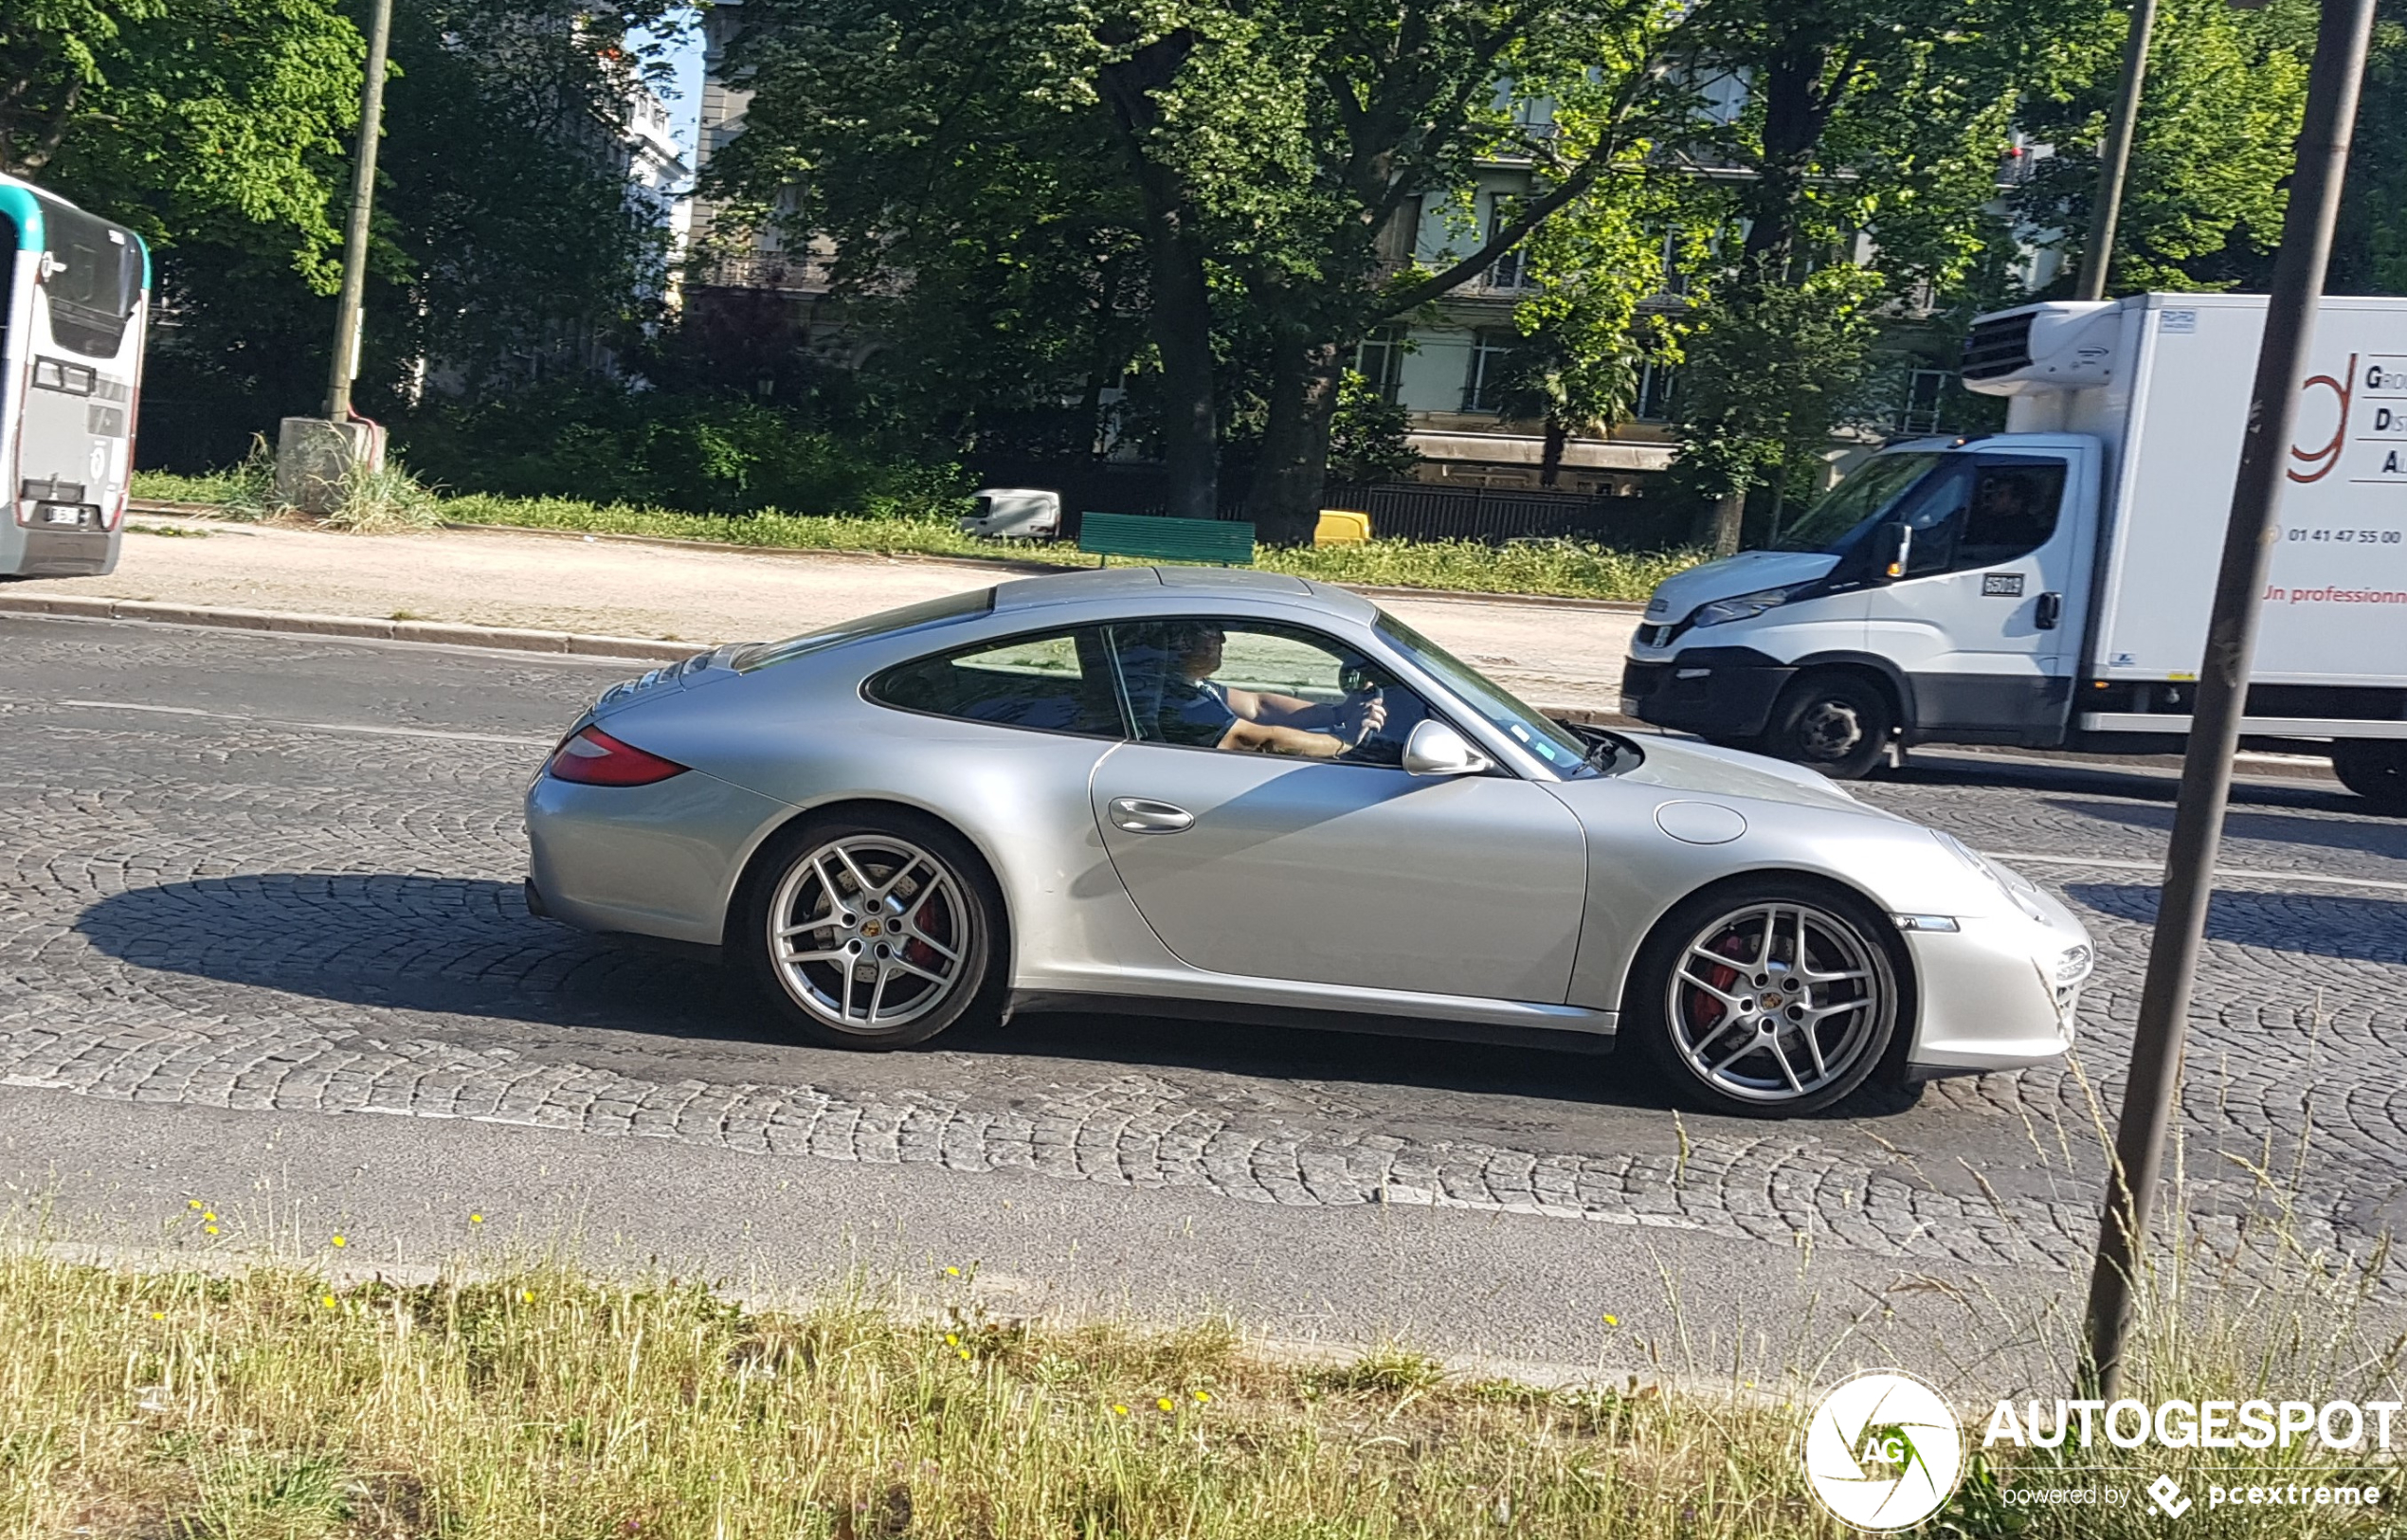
(96, 282)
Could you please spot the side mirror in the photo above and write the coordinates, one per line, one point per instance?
(1435, 749)
(1893, 546)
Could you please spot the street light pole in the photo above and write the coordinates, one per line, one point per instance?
(363, 195)
(2340, 41)
(2097, 252)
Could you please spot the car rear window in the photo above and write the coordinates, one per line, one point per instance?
(910, 617)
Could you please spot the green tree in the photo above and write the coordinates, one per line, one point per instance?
(215, 119)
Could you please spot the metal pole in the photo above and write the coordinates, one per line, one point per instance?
(363, 195)
(2222, 690)
(2097, 252)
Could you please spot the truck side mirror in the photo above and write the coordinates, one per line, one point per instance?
(1893, 544)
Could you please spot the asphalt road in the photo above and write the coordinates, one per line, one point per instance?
(262, 944)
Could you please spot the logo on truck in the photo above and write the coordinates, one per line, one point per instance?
(2326, 458)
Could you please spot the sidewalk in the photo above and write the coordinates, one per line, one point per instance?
(1562, 657)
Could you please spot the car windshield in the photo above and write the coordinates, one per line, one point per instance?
(1557, 748)
(1859, 498)
(927, 613)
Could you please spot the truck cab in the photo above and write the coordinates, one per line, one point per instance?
(1936, 592)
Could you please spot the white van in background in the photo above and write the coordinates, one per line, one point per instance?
(2049, 586)
(1015, 513)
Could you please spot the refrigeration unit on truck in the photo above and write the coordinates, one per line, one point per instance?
(2048, 585)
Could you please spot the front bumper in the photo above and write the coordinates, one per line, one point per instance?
(1720, 693)
(1999, 992)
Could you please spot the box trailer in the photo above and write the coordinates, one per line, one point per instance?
(2049, 586)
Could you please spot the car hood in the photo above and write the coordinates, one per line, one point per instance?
(1677, 596)
(1682, 765)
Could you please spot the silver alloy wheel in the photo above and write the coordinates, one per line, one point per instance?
(1829, 729)
(868, 934)
(1773, 1002)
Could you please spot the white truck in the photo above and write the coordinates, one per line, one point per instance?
(2049, 586)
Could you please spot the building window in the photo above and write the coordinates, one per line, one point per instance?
(1506, 272)
(1380, 360)
(1483, 388)
(1656, 384)
(1926, 404)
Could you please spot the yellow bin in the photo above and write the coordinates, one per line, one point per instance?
(1338, 526)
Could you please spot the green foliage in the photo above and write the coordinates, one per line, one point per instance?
(707, 455)
(1768, 373)
(1366, 440)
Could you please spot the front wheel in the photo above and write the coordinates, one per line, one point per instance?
(1834, 722)
(1768, 998)
(2375, 769)
(876, 931)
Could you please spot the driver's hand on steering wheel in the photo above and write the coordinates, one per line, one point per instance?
(1362, 718)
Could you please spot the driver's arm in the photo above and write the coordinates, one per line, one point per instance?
(1267, 706)
(1274, 738)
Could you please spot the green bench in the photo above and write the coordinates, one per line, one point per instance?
(1224, 541)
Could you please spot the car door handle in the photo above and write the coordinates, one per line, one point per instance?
(2051, 612)
(1139, 815)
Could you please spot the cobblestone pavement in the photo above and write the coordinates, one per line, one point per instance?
(253, 872)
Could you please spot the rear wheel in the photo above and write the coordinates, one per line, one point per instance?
(876, 931)
(1834, 722)
(1768, 996)
(2375, 769)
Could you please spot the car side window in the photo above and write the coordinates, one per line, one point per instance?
(1057, 682)
(1248, 687)
(2012, 511)
(1995, 511)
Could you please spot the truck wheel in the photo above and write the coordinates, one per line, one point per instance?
(2375, 769)
(1833, 722)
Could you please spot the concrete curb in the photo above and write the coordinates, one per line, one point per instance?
(498, 637)
(199, 512)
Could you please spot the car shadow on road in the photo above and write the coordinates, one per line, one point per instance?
(2366, 836)
(2315, 925)
(468, 947)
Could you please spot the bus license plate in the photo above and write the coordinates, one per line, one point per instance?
(62, 515)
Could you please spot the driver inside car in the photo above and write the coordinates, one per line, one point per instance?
(1203, 710)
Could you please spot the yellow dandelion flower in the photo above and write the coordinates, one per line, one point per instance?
(1203, 1395)
(1613, 1320)
(1162, 1402)
(327, 1301)
(1118, 1410)
(158, 1316)
(210, 1228)
(525, 1296)
(964, 1353)
(191, 1203)
(952, 1272)
(338, 1241)
(209, 1216)
(951, 1340)
(476, 1219)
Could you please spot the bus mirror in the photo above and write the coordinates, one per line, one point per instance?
(1893, 545)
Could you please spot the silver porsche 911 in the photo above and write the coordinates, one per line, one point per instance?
(1243, 794)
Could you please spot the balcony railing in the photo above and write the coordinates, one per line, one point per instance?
(785, 271)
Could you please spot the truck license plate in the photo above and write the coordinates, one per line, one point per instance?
(62, 515)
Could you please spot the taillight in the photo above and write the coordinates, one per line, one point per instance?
(593, 758)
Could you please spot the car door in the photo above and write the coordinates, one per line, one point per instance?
(1984, 621)
(1342, 870)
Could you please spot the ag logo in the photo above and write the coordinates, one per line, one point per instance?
(1883, 1452)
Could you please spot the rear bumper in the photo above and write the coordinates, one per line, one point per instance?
(62, 552)
(1720, 693)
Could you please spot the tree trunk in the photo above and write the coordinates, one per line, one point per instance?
(1721, 525)
(1180, 316)
(1294, 469)
(1550, 457)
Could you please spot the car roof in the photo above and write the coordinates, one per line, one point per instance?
(1202, 584)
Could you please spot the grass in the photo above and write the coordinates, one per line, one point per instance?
(1568, 570)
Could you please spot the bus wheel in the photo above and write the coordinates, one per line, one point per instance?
(2375, 769)
(1836, 722)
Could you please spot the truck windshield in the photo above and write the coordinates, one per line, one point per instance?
(1859, 498)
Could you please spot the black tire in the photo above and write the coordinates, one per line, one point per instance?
(2375, 769)
(883, 964)
(1683, 1018)
(1833, 722)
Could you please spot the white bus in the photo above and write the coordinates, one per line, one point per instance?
(77, 297)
